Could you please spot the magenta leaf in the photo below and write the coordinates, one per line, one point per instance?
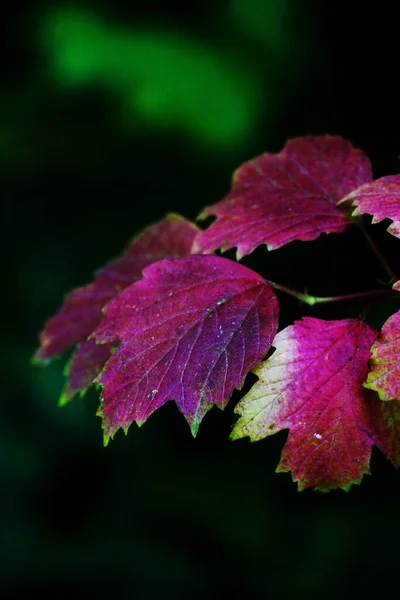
(379, 198)
(384, 376)
(292, 195)
(312, 385)
(86, 363)
(189, 331)
(386, 422)
(81, 312)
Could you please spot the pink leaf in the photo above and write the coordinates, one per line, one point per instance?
(312, 385)
(379, 198)
(292, 195)
(189, 331)
(384, 376)
(81, 312)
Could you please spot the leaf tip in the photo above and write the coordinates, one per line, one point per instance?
(234, 436)
(239, 253)
(194, 427)
(38, 361)
(204, 214)
(107, 434)
(35, 362)
(125, 429)
(239, 430)
(65, 398)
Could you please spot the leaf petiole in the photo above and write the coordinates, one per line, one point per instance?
(312, 300)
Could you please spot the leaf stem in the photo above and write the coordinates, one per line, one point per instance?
(378, 254)
(311, 300)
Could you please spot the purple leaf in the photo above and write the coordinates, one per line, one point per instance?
(292, 195)
(81, 312)
(312, 385)
(86, 363)
(189, 331)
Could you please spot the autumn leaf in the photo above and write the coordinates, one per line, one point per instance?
(312, 385)
(81, 312)
(292, 195)
(189, 331)
(83, 367)
(386, 424)
(379, 198)
(384, 376)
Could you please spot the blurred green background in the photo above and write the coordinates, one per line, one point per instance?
(111, 115)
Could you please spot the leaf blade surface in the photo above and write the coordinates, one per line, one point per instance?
(292, 195)
(189, 331)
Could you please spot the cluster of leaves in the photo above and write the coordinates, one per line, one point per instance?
(171, 320)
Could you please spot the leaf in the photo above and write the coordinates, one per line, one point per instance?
(189, 331)
(86, 363)
(379, 198)
(312, 385)
(81, 312)
(386, 422)
(384, 376)
(292, 195)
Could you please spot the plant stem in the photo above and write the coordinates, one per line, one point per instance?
(379, 255)
(311, 300)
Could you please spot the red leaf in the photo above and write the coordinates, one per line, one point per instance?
(189, 331)
(292, 195)
(379, 198)
(384, 376)
(312, 385)
(81, 312)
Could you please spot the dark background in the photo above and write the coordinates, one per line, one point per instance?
(111, 115)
